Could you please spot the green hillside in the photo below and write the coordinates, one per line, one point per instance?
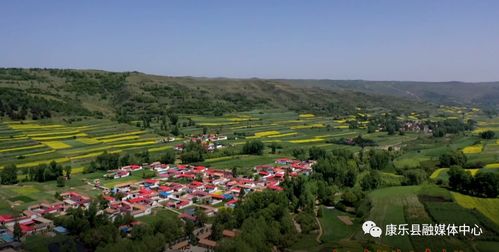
(38, 93)
(454, 93)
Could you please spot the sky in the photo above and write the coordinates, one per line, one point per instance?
(423, 40)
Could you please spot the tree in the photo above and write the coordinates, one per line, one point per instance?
(8, 175)
(17, 231)
(459, 179)
(107, 161)
(61, 182)
(274, 146)
(173, 118)
(486, 184)
(254, 147)
(67, 170)
(488, 134)
(168, 157)
(205, 130)
(144, 156)
(414, 177)
(371, 181)
(319, 212)
(125, 160)
(379, 160)
(201, 216)
(234, 171)
(192, 157)
(316, 153)
(452, 158)
(92, 167)
(299, 153)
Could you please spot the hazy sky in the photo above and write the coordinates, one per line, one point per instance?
(433, 40)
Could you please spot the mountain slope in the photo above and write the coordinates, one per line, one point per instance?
(133, 94)
(480, 94)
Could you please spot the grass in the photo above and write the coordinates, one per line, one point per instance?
(334, 229)
(22, 198)
(388, 208)
(157, 214)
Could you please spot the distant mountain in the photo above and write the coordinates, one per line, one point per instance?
(40, 93)
(454, 93)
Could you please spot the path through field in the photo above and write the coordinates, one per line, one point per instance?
(318, 238)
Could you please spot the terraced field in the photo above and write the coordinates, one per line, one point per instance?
(30, 143)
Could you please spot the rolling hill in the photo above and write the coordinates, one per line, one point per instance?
(43, 92)
(485, 94)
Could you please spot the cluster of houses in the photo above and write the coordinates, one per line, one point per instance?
(122, 172)
(180, 188)
(415, 126)
(210, 142)
(32, 219)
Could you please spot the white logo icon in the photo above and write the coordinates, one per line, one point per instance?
(369, 227)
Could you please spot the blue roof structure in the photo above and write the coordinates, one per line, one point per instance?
(60, 230)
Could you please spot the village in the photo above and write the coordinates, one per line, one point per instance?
(179, 188)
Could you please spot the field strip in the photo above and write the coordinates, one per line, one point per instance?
(51, 133)
(437, 172)
(57, 145)
(117, 139)
(59, 137)
(311, 140)
(162, 148)
(120, 135)
(284, 134)
(22, 148)
(492, 166)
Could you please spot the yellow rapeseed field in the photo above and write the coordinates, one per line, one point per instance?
(473, 149)
(306, 115)
(76, 170)
(312, 140)
(56, 145)
(47, 138)
(264, 134)
(88, 140)
(32, 126)
(341, 127)
(492, 166)
(487, 206)
(437, 172)
(54, 132)
(284, 134)
(315, 125)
